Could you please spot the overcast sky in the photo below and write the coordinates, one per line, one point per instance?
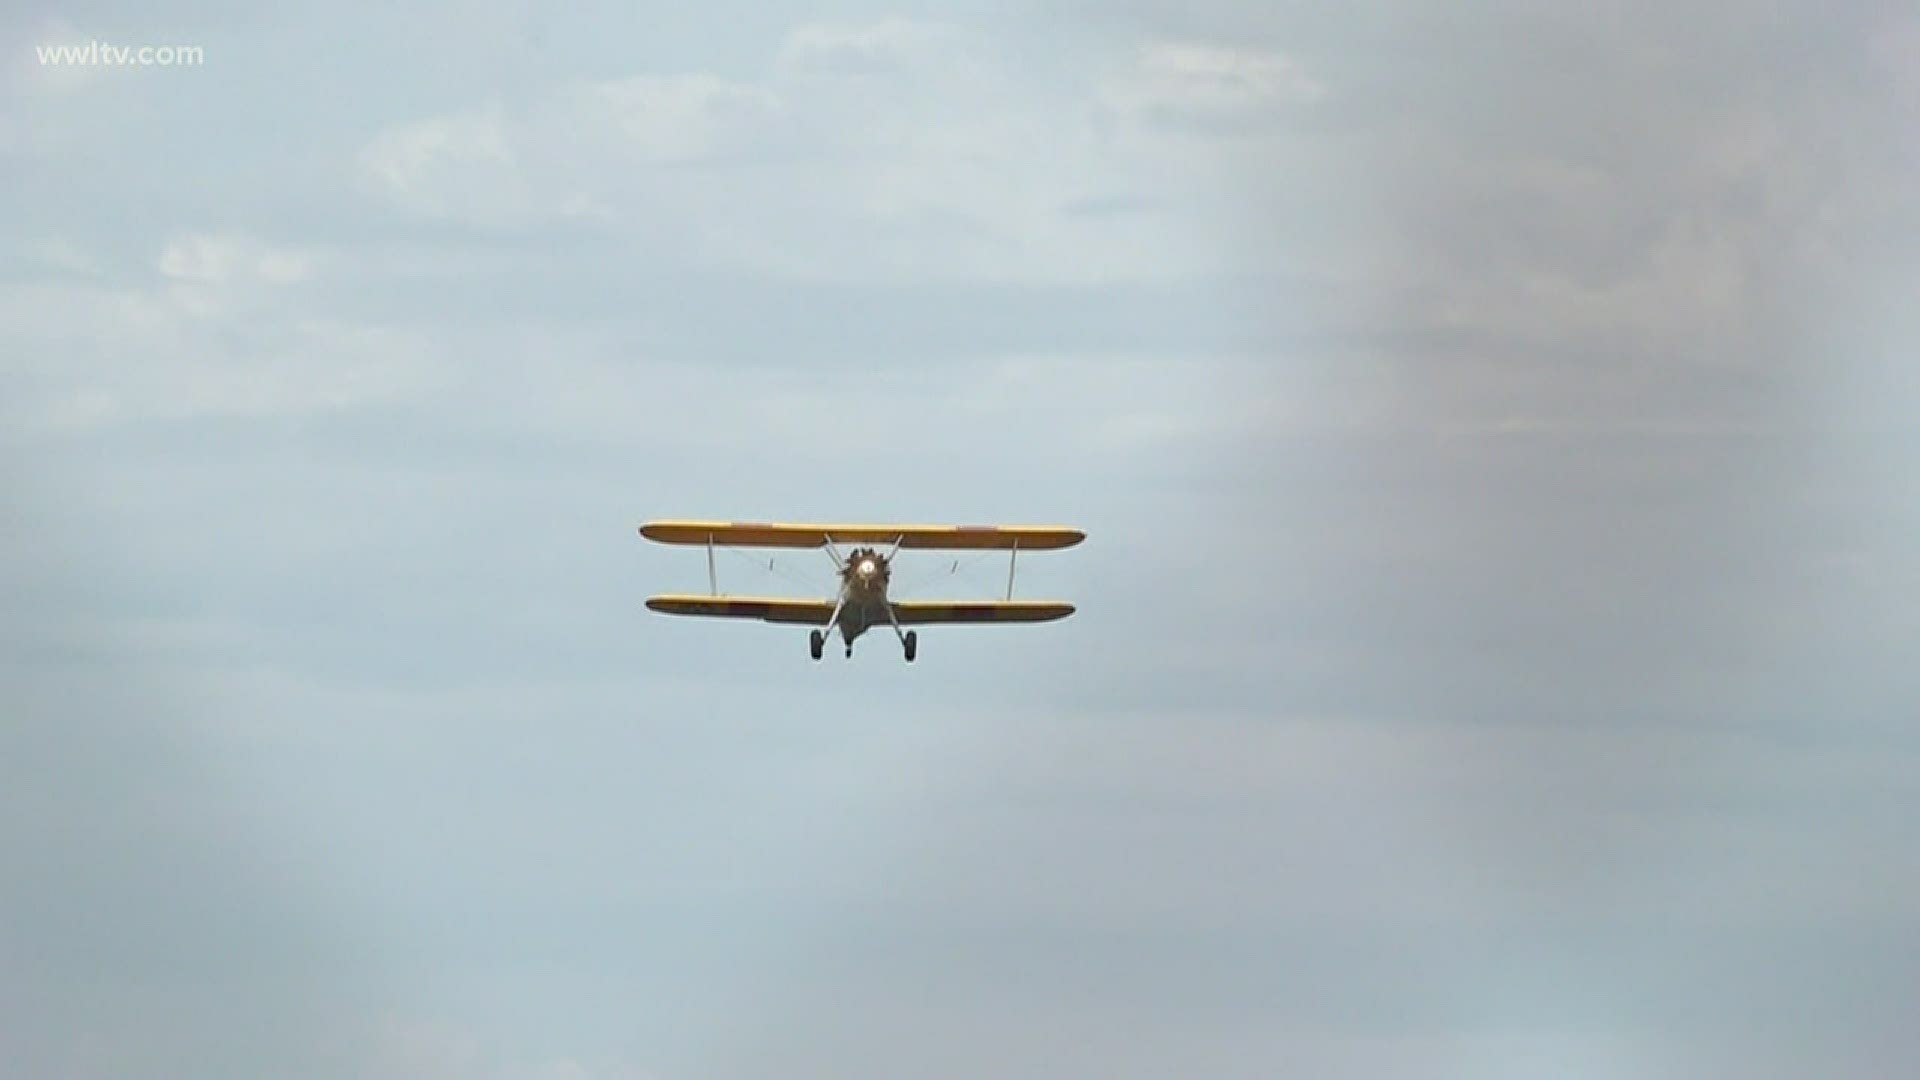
(1495, 428)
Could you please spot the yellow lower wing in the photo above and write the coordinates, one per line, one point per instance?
(777, 609)
(772, 609)
(923, 612)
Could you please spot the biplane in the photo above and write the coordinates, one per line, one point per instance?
(865, 571)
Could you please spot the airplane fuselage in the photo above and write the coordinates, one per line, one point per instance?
(863, 594)
(863, 603)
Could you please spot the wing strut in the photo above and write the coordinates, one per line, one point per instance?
(1012, 554)
(713, 580)
(838, 606)
(894, 618)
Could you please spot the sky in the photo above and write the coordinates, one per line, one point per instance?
(1493, 424)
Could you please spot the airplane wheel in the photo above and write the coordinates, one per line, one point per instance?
(849, 650)
(816, 642)
(913, 645)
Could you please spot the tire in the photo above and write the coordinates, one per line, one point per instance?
(816, 643)
(912, 645)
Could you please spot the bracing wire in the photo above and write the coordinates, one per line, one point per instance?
(948, 568)
(964, 569)
(774, 566)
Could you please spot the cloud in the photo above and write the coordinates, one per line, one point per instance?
(675, 119)
(1181, 83)
(881, 48)
(936, 163)
(216, 328)
(232, 260)
(32, 76)
(462, 166)
(539, 160)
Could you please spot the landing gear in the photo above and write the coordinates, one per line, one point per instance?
(909, 641)
(816, 642)
(849, 650)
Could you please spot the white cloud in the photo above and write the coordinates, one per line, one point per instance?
(458, 166)
(670, 119)
(229, 259)
(209, 276)
(581, 150)
(402, 155)
(33, 75)
(1197, 82)
(945, 161)
(220, 330)
(862, 48)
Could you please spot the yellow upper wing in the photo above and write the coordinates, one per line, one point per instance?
(942, 537)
